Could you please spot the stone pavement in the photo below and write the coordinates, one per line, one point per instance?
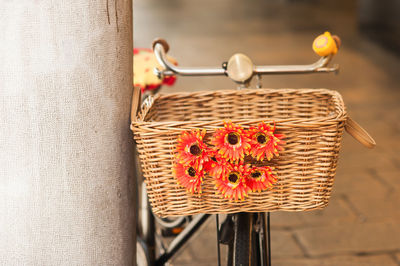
(361, 225)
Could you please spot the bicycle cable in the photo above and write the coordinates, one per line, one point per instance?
(218, 249)
(268, 239)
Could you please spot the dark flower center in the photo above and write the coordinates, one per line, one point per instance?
(195, 150)
(191, 172)
(261, 138)
(214, 159)
(255, 174)
(233, 178)
(233, 138)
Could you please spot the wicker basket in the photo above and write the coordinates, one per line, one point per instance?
(312, 120)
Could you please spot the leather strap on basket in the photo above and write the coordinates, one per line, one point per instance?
(359, 133)
(136, 100)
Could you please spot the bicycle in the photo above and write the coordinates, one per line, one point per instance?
(246, 234)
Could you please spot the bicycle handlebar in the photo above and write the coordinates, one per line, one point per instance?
(241, 69)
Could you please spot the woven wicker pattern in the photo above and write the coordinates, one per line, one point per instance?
(311, 119)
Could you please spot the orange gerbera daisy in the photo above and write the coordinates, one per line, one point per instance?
(189, 176)
(231, 141)
(264, 142)
(260, 178)
(191, 148)
(233, 185)
(216, 165)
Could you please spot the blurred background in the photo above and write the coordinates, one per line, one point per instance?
(361, 224)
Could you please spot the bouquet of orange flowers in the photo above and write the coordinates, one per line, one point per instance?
(228, 159)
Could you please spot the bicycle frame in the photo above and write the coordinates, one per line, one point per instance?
(191, 228)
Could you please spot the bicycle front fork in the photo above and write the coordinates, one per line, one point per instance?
(248, 238)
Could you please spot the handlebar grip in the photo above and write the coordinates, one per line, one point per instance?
(326, 44)
(162, 42)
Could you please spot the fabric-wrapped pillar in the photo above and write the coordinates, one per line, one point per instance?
(66, 185)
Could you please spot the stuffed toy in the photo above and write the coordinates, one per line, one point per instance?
(144, 62)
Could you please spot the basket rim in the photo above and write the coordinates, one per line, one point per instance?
(340, 113)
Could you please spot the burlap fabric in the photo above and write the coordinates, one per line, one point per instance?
(65, 89)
